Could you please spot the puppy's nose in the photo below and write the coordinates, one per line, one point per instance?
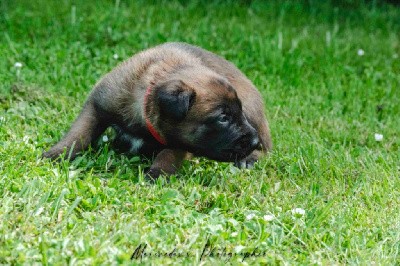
(255, 143)
(248, 142)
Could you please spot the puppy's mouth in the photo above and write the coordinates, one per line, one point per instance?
(224, 155)
(235, 155)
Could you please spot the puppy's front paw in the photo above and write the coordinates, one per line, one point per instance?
(249, 161)
(153, 174)
(52, 154)
(246, 163)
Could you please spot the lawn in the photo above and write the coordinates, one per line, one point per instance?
(329, 193)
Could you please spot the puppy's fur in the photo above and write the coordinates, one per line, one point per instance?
(172, 101)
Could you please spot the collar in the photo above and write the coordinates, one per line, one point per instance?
(149, 125)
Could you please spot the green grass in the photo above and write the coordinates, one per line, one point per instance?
(324, 103)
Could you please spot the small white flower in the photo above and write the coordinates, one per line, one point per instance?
(55, 172)
(18, 64)
(277, 186)
(79, 245)
(115, 56)
(215, 228)
(25, 139)
(239, 248)
(234, 234)
(73, 173)
(19, 247)
(60, 215)
(105, 138)
(250, 216)
(360, 52)
(234, 222)
(298, 211)
(378, 137)
(39, 211)
(269, 217)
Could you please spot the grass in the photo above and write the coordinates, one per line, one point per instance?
(323, 100)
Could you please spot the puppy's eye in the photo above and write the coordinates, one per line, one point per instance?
(223, 119)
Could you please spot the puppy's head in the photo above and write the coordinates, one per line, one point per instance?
(203, 115)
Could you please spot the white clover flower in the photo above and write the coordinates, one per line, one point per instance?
(39, 211)
(298, 211)
(79, 245)
(25, 139)
(378, 137)
(115, 56)
(73, 173)
(269, 217)
(60, 215)
(239, 248)
(215, 228)
(112, 251)
(20, 247)
(105, 138)
(250, 216)
(277, 186)
(18, 64)
(360, 52)
(55, 172)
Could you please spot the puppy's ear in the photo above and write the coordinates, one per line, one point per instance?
(175, 99)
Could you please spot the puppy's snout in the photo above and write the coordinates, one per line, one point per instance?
(248, 142)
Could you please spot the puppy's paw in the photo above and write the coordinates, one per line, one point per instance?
(153, 174)
(249, 161)
(52, 154)
(246, 163)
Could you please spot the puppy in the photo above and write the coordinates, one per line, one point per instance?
(172, 101)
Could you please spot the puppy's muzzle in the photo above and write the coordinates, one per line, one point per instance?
(248, 142)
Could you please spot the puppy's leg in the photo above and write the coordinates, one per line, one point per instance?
(86, 128)
(167, 162)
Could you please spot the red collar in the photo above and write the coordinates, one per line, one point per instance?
(149, 125)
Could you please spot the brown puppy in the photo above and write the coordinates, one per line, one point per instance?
(171, 101)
